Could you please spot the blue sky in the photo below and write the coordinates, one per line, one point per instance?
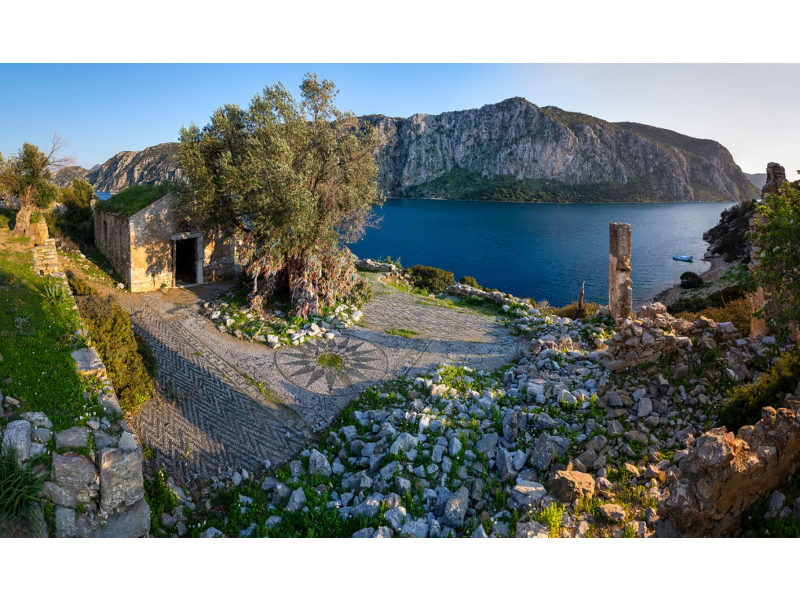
(104, 109)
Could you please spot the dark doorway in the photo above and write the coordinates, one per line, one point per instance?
(186, 261)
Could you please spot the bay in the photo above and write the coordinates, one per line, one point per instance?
(542, 251)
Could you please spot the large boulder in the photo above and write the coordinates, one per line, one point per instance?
(571, 485)
(74, 474)
(120, 478)
(17, 437)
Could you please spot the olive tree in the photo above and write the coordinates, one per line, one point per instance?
(296, 179)
(26, 176)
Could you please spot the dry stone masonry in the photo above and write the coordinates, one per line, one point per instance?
(96, 483)
(723, 475)
(620, 296)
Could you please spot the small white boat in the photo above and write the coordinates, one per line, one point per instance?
(683, 258)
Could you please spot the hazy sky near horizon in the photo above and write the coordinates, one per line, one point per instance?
(751, 109)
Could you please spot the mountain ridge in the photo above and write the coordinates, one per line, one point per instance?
(511, 150)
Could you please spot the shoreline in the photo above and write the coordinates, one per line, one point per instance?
(565, 203)
(716, 269)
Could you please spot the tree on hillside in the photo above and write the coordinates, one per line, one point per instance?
(296, 179)
(76, 220)
(26, 176)
(779, 248)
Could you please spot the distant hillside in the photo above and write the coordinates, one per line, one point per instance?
(757, 179)
(156, 164)
(513, 151)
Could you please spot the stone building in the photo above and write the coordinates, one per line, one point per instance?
(153, 249)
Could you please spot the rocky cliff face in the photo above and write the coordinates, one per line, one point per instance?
(516, 150)
(513, 150)
(156, 164)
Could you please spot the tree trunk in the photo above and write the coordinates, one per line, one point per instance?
(22, 228)
(581, 308)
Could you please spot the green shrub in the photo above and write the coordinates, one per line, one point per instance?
(79, 286)
(737, 312)
(110, 330)
(430, 278)
(36, 217)
(75, 222)
(745, 404)
(3, 222)
(19, 494)
(470, 281)
(690, 280)
(716, 300)
(148, 358)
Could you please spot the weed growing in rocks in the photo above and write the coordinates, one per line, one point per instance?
(19, 493)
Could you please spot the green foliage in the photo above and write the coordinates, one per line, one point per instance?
(36, 217)
(746, 401)
(134, 198)
(78, 285)
(737, 312)
(690, 280)
(432, 279)
(551, 516)
(160, 498)
(3, 222)
(110, 329)
(53, 291)
(407, 333)
(26, 175)
(717, 299)
(19, 494)
(462, 184)
(148, 358)
(331, 361)
(36, 338)
(470, 281)
(296, 177)
(779, 269)
(76, 222)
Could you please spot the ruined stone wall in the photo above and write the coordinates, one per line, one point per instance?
(723, 475)
(657, 334)
(151, 246)
(112, 236)
(45, 258)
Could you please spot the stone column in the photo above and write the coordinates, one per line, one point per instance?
(620, 297)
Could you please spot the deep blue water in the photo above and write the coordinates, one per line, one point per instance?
(542, 251)
(104, 195)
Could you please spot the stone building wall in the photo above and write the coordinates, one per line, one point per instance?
(141, 247)
(112, 237)
(151, 246)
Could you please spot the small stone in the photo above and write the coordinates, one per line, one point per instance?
(296, 500)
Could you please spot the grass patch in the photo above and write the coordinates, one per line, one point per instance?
(36, 339)
(407, 333)
(330, 360)
(160, 498)
(19, 494)
(134, 198)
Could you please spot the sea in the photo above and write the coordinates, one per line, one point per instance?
(542, 251)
